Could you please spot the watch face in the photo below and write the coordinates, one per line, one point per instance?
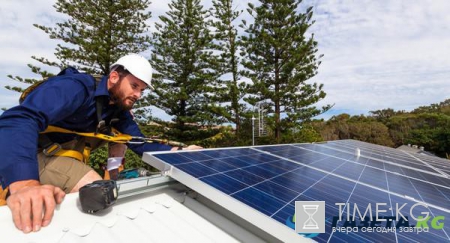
(114, 174)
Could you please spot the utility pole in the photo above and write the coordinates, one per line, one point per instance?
(253, 130)
(258, 108)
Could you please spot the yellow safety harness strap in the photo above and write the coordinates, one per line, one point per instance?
(3, 193)
(71, 154)
(56, 150)
(117, 138)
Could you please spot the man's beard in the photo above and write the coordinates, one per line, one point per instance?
(118, 97)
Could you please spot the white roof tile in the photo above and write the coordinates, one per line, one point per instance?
(156, 216)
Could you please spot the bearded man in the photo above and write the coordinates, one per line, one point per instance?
(40, 168)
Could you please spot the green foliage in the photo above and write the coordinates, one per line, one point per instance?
(279, 59)
(427, 126)
(361, 128)
(98, 32)
(132, 160)
(430, 130)
(185, 65)
(98, 158)
(95, 34)
(301, 134)
(28, 81)
(442, 107)
(384, 114)
(227, 44)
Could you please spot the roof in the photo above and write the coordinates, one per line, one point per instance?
(165, 213)
(160, 209)
(412, 149)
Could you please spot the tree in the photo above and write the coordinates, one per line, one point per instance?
(340, 123)
(423, 129)
(186, 69)
(384, 114)
(371, 132)
(96, 34)
(279, 58)
(227, 42)
(442, 107)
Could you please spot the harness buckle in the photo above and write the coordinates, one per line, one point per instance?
(52, 149)
(103, 129)
(137, 140)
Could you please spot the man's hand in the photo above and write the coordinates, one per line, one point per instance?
(190, 147)
(32, 204)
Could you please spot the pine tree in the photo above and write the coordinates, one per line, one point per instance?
(185, 67)
(227, 42)
(279, 58)
(96, 34)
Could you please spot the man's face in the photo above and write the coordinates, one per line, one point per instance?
(126, 91)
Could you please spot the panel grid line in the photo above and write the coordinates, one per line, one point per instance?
(395, 164)
(351, 193)
(390, 200)
(395, 173)
(436, 169)
(418, 193)
(394, 155)
(362, 183)
(304, 191)
(269, 179)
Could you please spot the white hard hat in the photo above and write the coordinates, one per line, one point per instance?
(138, 66)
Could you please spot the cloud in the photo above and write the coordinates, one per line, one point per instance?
(383, 54)
(377, 54)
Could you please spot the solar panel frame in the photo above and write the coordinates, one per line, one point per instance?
(308, 153)
(253, 216)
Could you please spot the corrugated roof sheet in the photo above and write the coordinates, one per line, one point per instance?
(163, 215)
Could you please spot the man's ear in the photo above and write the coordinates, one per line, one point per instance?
(114, 77)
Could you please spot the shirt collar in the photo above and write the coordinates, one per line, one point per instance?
(102, 87)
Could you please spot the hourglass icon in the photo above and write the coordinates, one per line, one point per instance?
(310, 223)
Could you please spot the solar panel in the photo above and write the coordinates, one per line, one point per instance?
(262, 183)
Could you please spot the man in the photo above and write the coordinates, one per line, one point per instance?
(37, 179)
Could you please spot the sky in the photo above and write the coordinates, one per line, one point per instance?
(377, 54)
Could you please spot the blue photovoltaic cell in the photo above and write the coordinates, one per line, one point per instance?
(271, 178)
(372, 177)
(244, 176)
(350, 170)
(218, 165)
(173, 158)
(435, 179)
(259, 200)
(224, 183)
(278, 191)
(391, 155)
(196, 169)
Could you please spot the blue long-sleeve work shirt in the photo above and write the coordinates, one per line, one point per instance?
(66, 100)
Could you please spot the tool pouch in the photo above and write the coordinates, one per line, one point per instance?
(98, 195)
